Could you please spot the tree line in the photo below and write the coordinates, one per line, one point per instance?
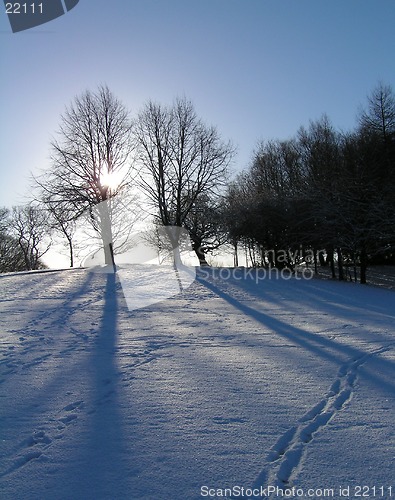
(324, 192)
(23, 232)
(322, 195)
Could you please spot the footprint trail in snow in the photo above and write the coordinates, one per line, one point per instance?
(285, 458)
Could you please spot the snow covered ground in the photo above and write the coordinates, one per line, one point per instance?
(234, 383)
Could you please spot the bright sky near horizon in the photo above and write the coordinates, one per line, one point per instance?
(256, 69)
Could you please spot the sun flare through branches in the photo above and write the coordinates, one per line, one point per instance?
(111, 180)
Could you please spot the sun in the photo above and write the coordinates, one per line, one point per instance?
(111, 180)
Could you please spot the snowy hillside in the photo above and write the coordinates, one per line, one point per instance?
(230, 384)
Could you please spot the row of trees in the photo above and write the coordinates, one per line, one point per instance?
(101, 158)
(167, 154)
(320, 190)
(23, 238)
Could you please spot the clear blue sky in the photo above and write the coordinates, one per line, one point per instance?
(257, 69)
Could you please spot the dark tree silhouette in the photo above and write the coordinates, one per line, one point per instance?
(91, 161)
(182, 161)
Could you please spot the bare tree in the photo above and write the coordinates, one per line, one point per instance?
(28, 226)
(206, 226)
(379, 117)
(11, 257)
(3, 220)
(61, 220)
(91, 160)
(182, 159)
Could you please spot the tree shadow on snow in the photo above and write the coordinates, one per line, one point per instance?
(105, 471)
(321, 346)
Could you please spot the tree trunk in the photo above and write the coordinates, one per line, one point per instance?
(28, 266)
(200, 253)
(177, 261)
(271, 258)
(321, 258)
(364, 265)
(331, 261)
(235, 255)
(251, 253)
(70, 243)
(108, 254)
(315, 261)
(340, 264)
(106, 234)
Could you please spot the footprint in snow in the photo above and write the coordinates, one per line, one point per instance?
(32, 449)
(68, 419)
(25, 459)
(73, 406)
(224, 421)
(37, 438)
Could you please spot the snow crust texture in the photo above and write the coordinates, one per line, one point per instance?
(233, 382)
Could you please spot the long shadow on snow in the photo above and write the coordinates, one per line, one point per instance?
(106, 472)
(98, 457)
(35, 335)
(321, 346)
(326, 295)
(345, 301)
(96, 469)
